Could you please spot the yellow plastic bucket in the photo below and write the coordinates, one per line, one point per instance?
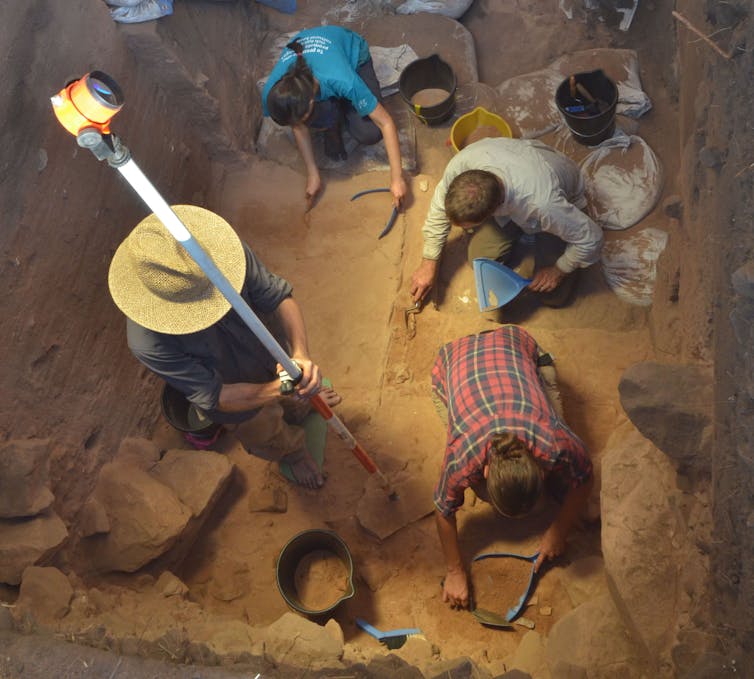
(479, 118)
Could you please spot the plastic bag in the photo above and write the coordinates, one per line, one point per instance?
(449, 8)
(145, 10)
(623, 179)
(630, 265)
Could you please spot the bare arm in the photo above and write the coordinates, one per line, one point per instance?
(290, 317)
(554, 540)
(423, 279)
(304, 142)
(385, 122)
(456, 587)
(247, 396)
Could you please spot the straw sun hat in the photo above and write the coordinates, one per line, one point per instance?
(157, 284)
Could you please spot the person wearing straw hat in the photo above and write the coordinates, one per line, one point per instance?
(500, 189)
(181, 327)
(506, 440)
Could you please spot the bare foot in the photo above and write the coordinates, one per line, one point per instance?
(304, 469)
(330, 396)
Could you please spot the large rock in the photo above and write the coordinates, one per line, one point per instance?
(643, 537)
(45, 592)
(584, 579)
(23, 478)
(671, 406)
(593, 638)
(457, 668)
(197, 477)
(529, 656)
(146, 518)
(293, 640)
(25, 542)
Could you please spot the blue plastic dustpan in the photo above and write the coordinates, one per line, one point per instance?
(515, 611)
(496, 284)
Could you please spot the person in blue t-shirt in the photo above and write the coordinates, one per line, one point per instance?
(324, 80)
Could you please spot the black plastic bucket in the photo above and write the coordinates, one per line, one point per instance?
(294, 552)
(179, 412)
(590, 122)
(429, 75)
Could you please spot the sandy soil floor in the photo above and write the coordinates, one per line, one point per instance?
(353, 290)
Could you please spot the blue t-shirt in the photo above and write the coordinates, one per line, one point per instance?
(333, 54)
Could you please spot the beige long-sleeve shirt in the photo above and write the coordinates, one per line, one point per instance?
(544, 191)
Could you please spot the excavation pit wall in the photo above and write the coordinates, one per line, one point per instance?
(186, 123)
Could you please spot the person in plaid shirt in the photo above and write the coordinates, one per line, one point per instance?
(505, 440)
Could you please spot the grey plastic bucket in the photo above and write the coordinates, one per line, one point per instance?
(430, 72)
(291, 555)
(179, 412)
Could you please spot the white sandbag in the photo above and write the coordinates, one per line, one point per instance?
(623, 181)
(449, 8)
(527, 103)
(146, 10)
(630, 265)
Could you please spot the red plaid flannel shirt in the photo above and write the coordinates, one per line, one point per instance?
(490, 383)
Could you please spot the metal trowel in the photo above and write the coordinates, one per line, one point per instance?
(491, 619)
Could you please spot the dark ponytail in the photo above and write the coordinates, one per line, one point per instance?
(514, 481)
(289, 98)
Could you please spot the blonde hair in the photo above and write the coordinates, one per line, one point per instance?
(514, 481)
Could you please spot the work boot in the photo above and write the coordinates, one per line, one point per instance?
(334, 148)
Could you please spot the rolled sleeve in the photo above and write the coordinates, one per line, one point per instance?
(200, 383)
(265, 289)
(437, 225)
(583, 238)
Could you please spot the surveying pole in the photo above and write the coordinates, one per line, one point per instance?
(85, 107)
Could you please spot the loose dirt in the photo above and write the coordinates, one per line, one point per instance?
(431, 96)
(321, 579)
(499, 583)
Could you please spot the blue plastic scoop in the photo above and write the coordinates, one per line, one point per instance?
(496, 284)
(515, 611)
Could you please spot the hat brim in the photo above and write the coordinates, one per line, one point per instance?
(217, 238)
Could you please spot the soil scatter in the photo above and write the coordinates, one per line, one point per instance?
(430, 96)
(499, 583)
(321, 579)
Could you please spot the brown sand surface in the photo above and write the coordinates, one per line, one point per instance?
(320, 579)
(430, 96)
(499, 583)
(353, 290)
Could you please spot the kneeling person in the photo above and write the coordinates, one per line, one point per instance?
(184, 330)
(500, 189)
(505, 440)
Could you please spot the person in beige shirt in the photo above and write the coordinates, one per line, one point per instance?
(500, 189)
